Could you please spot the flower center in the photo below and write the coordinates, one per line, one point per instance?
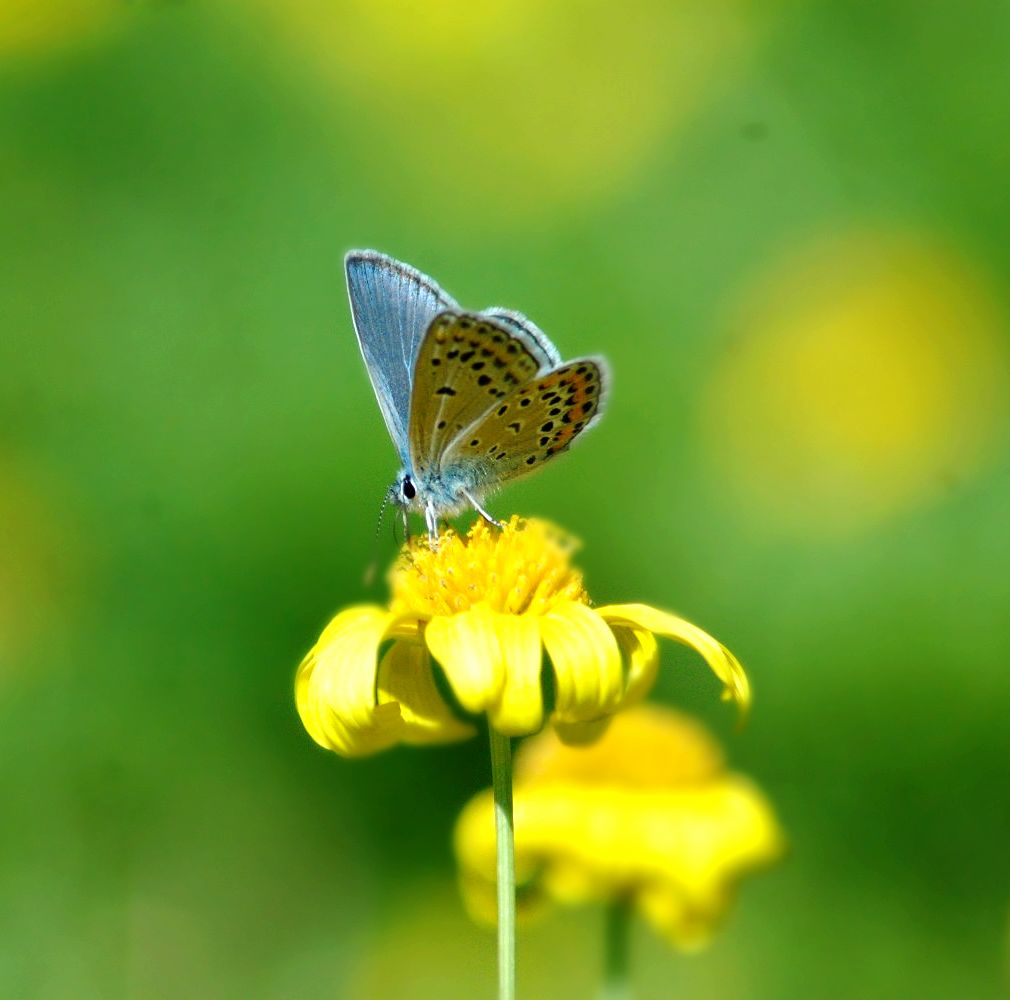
(522, 568)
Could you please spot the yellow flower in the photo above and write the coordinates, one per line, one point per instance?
(647, 814)
(465, 633)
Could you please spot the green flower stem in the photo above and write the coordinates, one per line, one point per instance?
(616, 981)
(501, 774)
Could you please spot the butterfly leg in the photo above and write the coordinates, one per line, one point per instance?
(431, 520)
(406, 528)
(480, 510)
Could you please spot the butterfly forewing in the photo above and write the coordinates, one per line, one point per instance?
(534, 422)
(392, 305)
(466, 365)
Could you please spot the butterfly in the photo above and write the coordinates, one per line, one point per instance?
(472, 400)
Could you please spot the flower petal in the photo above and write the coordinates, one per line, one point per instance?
(678, 853)
(520, 709)
(641, 655)
(648, 814)
(586, 659)
(582, 734)
(722, 662)
(687, 926)
(405, 679)
(335, 685)
(467, 646)
(474, 842)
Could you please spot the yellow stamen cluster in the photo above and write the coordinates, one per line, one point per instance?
(522, 569)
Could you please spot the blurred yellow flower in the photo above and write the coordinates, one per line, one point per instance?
(647, 814)
(40, 566)
(29, 27)
(868, 371)
(515, 108)
(486, 606)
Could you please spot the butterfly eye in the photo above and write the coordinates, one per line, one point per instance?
(408, 489)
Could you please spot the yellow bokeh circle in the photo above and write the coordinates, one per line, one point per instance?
(865, 372)
(509, 108)
(32, 28)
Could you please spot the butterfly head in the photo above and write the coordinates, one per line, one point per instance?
(406, 492)
(438, 494)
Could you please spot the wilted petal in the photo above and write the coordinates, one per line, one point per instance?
(586, 660)
(467, 646)
(519, 710)
(722, 662)
(405, 679)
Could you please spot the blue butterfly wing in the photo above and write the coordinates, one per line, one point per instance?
(392, 306)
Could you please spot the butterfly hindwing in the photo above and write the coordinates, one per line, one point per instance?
(467, 364)
(392, 305)
(535, 422)
(538, 343)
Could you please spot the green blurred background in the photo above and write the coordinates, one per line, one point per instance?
(786, 224)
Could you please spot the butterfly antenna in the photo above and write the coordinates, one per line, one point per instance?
(373, 566)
